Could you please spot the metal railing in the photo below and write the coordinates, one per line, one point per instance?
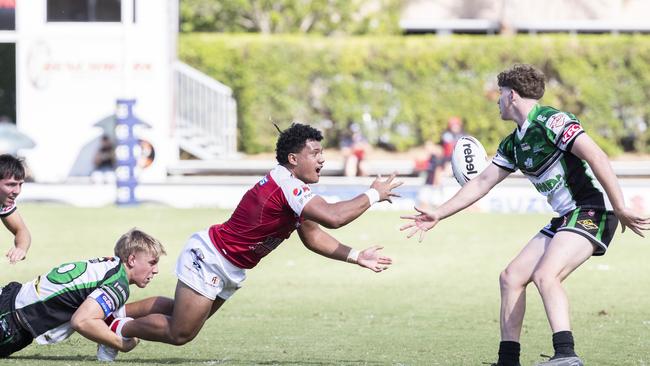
(206, 114)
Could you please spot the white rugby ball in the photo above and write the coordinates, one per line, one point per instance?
(468, 160)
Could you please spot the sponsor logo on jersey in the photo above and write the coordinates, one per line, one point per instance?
(525, 146)
(549, 185)
(591, 213)
(587, 224)
(265, 247)
(557, 120)
(528, 163)
(537, 149)
(297, 192)
(118, 287)
(306, 188)
(106, 303)
(541, 118)
(263, 180)
(570, 132)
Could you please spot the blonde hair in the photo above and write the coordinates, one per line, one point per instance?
(134, 241)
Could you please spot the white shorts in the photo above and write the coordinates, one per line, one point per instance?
(201, 267)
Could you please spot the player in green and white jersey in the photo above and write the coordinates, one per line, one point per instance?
(12, 177)
(564, 164)
(78, 296)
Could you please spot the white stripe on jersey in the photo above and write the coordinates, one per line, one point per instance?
(295, 191)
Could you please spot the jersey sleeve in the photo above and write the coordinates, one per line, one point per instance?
(297, 193)
(6, 211)
(505, 157)
(110, 296)
(563, 129)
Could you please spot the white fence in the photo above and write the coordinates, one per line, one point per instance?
(206, 114)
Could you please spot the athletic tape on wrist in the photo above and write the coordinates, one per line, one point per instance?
(373, 196)
(353, 256)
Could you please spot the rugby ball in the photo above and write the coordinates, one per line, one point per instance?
(468, 159)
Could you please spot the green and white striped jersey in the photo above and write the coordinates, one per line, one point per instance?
(541, 149)
(46, 304)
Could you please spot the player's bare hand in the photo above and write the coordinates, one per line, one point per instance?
(16, 255)
(385, 187)
(630, 219)
(128, 344)
(370, 258)
(420, 223)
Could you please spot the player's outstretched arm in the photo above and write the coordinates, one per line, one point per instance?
(335, 215)
(88, 320)
(471, 192)
(586, 149)
(318, 241)
(22, 237)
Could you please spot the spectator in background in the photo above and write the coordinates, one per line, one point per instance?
(430, 194)
(104, 162)
(449, 138)
(354, 147)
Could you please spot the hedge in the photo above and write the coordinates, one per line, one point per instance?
(405, 88)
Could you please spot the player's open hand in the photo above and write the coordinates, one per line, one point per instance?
(128, 344)
(385, 187)
(16, 255)
(635, 222)
(371, 259)
(420, 223)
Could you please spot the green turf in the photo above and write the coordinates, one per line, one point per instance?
(438, 305)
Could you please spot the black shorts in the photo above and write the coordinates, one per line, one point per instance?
(13, 337)
(596, 224)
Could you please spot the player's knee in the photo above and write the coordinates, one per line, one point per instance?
(510, 279)
(543, 279)
(180, 338)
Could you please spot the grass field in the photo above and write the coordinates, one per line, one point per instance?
(438, 305)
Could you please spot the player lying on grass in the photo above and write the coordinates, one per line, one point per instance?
(213, 264)
(12, 177)
(78, 296)
(553, 152)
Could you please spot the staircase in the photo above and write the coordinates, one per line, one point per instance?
(206, 115)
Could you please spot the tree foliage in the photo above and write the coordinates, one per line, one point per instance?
(406, 88)
(325, 17)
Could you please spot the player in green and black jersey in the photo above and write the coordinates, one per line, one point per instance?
(564, 164)
(77, 296)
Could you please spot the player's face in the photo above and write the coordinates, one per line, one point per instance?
(505, 103)
(143, 267)
(309, 162)
(9, 190)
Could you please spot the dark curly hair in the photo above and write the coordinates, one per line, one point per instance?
(293, 139)
(526, 80)
(11, 167)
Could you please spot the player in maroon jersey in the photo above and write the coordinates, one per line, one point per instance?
(212, 265)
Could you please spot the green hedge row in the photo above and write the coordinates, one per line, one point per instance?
(404, 89)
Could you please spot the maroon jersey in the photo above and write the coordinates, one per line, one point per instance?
(266, 215)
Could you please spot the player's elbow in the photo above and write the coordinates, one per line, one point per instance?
(334, 222)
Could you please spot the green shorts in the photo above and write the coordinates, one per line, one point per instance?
(596, 224)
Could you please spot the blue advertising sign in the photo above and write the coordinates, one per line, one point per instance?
(125, 152)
